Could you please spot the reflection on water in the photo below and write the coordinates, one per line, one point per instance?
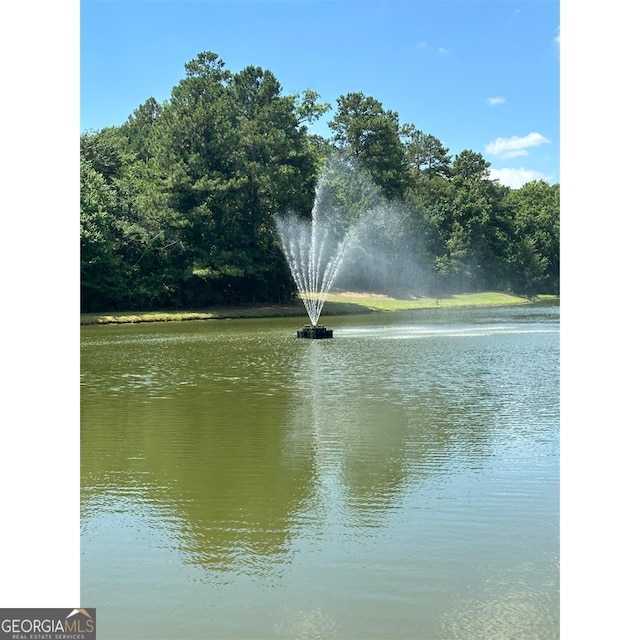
(400, 480)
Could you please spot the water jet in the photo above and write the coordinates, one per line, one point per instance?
(314, 250)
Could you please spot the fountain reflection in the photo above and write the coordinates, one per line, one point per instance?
(379, 433)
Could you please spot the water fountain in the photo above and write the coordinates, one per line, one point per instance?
(314, 250)
(314, 257)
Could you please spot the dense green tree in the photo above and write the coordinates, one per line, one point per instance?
(106, 151)
(139, 128)
(232, 153)
(430, 190)
(470, 166)
(135, 222)
(178, 203)
(363, 129)
(424, 153)
(195, 147)
(307, 107)
(478, 227)
(537, 230)
(99, 261)
(275, 170)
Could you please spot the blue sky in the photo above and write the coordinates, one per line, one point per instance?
(480, 75)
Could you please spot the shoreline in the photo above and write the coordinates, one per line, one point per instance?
(338, 303)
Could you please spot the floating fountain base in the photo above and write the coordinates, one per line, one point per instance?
(315, 332)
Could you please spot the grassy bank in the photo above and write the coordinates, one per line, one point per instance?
(379, 302)
(338, 303)
(217, 313)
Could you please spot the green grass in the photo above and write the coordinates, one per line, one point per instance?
(376, 302)
(126, 317)
(338, 303)
(218, 313)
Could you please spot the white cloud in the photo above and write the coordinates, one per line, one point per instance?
(496, 100)
(515, 178)
(515, 145)
(423, 44)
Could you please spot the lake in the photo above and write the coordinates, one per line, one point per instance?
(398, 481)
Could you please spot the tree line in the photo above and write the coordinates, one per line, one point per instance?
(178, 204)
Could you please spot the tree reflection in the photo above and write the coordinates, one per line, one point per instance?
(211, 455)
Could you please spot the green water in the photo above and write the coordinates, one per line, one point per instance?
(398, 481)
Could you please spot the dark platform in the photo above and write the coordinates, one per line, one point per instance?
(317, 332)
